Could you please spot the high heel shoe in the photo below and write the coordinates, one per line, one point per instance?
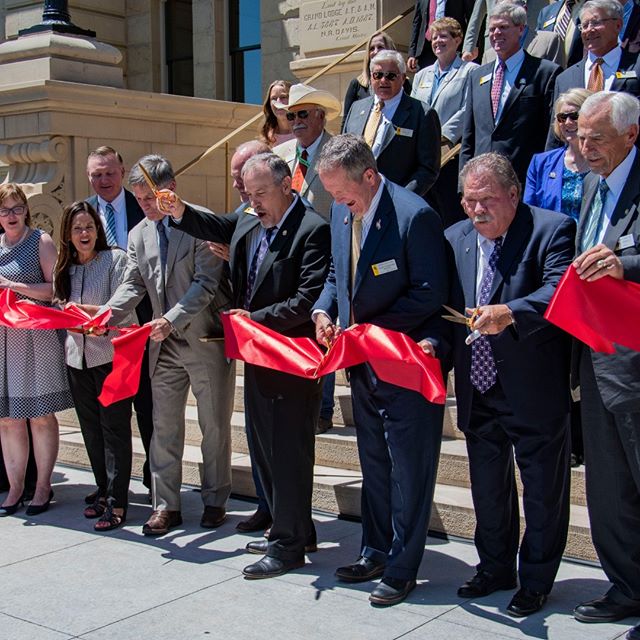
(10, 509)
(37, 509)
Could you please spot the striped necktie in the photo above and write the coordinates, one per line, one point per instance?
(562, 23)
(593, 224)
(496, 88)
(110, 218)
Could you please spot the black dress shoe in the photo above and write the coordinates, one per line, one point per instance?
(391, 591)
(269, 567)
(361, 571)
(261, 547)
(37, 509)
(484, 583)
(213, 517)
(259, 521)
(634, 633)
(605, 609)
(526, 602)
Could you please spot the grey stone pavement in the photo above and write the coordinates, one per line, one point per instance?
(59, 580)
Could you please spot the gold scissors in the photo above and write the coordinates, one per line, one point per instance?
(162, 197)
(460, 318)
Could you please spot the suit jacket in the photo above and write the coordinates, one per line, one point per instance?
(193, 287)
(527, 109)
(312, 189)
(407, 298)
(573, 77)
(459, 9)
(134, 215)
(450, 99)
(410, 152)
(544, 180)
(617, 374)
(532, 356)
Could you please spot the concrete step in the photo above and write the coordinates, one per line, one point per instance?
(337, 491)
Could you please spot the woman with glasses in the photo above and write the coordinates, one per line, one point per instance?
(88, 272)
(33, 381)
(554, 178)
(276, 128)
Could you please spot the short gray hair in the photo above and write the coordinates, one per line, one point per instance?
(505, 9)
(252, 147)
(278, 168)
(611, 8)
(623, 108)
(388, 55)
(158, 168)
(496, 166)
(349, 152)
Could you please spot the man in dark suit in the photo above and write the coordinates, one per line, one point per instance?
(608, 242)
(388, 269)
(120, 212)
(420, 54)
(279, 260)
(508, 97)
(403, 133)
(512, 383)
(606, 65)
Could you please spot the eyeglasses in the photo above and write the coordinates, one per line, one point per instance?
(563, 117)
(389, 75)
(18, 210)
(594, 24)
(303, 114)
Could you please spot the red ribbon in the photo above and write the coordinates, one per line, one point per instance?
(599, 313)
(394, 357)
(128, 347)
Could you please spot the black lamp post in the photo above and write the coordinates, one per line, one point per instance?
(56, 18)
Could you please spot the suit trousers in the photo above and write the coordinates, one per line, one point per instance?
(542, 452)
(612, 465)
(106, 432)
(399, 434)
(282, 427)
(143, 405)
(212, 380)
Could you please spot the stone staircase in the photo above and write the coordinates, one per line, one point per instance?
(337, 479)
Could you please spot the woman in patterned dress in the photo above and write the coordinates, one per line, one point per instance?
(33, 381)
(88, 272)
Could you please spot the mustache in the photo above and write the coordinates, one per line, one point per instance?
(482, 217)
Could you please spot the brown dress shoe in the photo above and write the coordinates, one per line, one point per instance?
(160, 522)
(259, 521)
(213, 517)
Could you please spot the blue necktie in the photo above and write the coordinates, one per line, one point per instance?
(110, 217)
(483, 367)
(593, 224)
(256, 261)
(163, 242)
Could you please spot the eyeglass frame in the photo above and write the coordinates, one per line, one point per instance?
(303, 114)
(593, 24)
(6, 212)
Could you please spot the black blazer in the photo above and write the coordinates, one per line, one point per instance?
(617, 374)
(526, 114)
(135, 214)
(532, 357)
(410, 154)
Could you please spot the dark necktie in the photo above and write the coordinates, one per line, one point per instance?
(110, 218)
(562, 23)
(593, 224)
(483, 367)
(256, 261)
(163, 242)
(496, 88)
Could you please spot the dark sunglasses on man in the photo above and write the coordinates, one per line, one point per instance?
(389, 75)
(303, 114)
(563, 117)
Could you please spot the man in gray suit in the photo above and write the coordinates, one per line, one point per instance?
(608, 244)
(187, 289)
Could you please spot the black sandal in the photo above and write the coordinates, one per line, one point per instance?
(96, 509)
(110, 520)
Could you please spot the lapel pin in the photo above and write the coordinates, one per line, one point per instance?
(378, 224)
(346, 220)
(284, 232)
(552, 174)
(466, 250)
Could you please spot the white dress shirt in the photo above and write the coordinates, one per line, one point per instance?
(609, 66)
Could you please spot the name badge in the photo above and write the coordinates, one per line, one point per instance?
(624, 75)
(625, 242)
(384, 267)
(404, 132)
(548, 23)
(486, 78)
(251, 211)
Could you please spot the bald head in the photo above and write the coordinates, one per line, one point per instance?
(245, 151)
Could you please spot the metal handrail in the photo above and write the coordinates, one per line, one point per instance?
(258, 115)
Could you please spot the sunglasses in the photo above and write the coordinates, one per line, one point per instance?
(563, 117)
(18, 210)
(389, 75)
(303, 114)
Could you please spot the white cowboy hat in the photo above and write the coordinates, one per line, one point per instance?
(300, 94)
